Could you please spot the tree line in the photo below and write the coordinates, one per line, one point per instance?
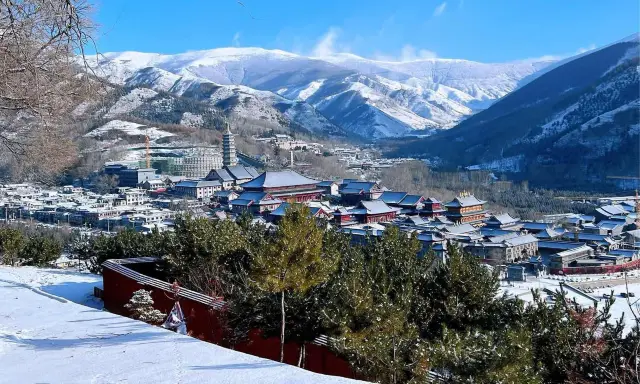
(395, 317)
(23, 245)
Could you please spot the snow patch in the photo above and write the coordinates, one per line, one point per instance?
(130, 101)
(130, 129)
(70, 343)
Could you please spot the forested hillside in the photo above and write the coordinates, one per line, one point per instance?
(572, 126)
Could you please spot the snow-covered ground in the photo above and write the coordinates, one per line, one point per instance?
(602, 284)
(131, 129)
(46, 337)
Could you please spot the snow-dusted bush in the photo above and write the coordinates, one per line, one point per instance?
(141, 307)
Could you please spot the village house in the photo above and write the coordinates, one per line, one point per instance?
(466, 208)
(256, 203)
(329, 187)
(569, 256)
(502, 221)
(154, 185)
(288, 186)
(353, 192)
(342, 217)
(316, 212)
(505, 249)
(225, 197)
(198, 189)
(606, 212)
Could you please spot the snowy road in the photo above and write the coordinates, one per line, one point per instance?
(47, 338)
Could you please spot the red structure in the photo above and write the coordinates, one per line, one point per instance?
(432, 207)
(374, 212)
(288, 186)
(203, 316)
(466, 208)
(604, 269)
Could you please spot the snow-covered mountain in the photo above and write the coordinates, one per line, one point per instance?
(575, 124)
(369, 98)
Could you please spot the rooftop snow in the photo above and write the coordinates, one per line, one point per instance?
(271, 179)
(71, 343)
(464, 201)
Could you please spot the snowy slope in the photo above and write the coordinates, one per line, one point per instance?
(391, 98)
(129, 129)
(570, 127)
(46, 338)
(130, 102)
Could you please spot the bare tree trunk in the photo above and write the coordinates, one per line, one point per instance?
(302, 356)
(282, 327)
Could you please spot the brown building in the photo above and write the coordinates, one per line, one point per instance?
(466, 208)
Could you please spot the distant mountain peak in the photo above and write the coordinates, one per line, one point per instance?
(371, 98)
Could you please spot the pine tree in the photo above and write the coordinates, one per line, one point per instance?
(460, 293)
(141, 307)
(370, 299)
(293, 261)
(40, 250)
(11, 243)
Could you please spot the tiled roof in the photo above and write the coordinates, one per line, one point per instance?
(464, 201)
(367, 186)
(519, 240)
(411, 200)
(610, 210)
(271, 179)
(198, 184)
(253, 196)
(391, 197)
(351, 191)
(529, 225)
(242, 202)
(376, 207)
(462, 228)
(503, 219)
(548, 233)
(223, 175)
(242, 172)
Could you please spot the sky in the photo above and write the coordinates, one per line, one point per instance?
(479, 30)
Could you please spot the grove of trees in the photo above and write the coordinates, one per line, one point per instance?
(395, 317)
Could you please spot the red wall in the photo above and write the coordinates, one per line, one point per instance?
(605, 269)
(202, 323)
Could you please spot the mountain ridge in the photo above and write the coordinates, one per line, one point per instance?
(573, 124)
(370, 98)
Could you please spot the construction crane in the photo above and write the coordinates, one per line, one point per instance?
(147, 148)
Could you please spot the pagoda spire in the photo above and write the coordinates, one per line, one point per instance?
(229, 158)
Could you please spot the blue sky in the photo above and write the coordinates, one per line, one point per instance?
(482, 30)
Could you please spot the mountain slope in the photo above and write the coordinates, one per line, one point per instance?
(370, 98)
(574, 124)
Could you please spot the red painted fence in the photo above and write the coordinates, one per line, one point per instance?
(604, 269)
(202, 315)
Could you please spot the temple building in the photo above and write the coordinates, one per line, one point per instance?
(228, 149)
(466, 208)
(255, 202)
(373, 212)
(288, 186)
(232, 176)
(432, 207)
